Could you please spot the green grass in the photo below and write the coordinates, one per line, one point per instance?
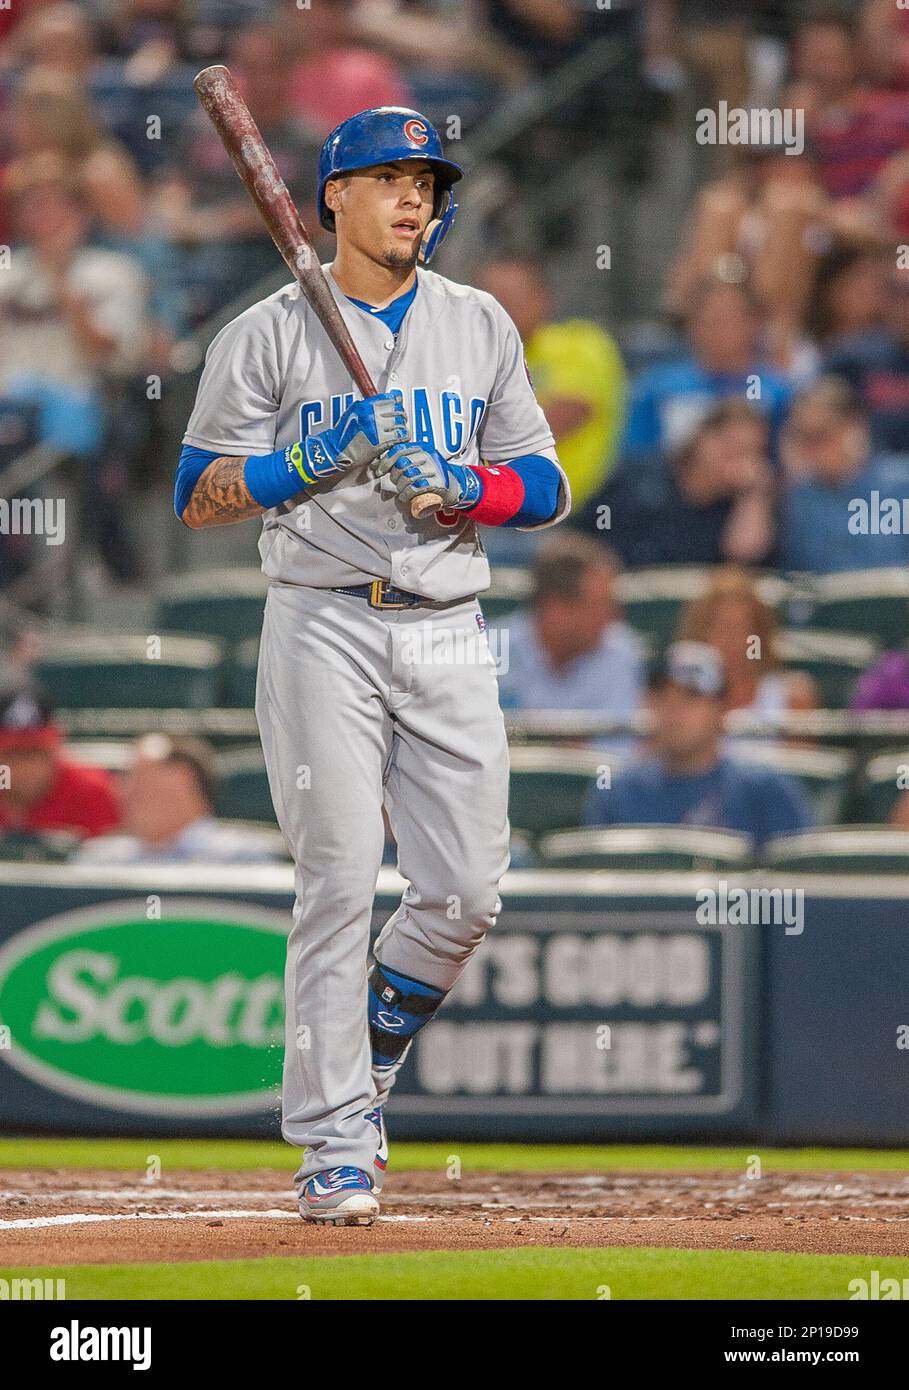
(533, 1273)
(131, 1155)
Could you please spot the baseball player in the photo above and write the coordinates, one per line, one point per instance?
(367, 697)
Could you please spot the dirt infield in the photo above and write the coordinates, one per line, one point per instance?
(68, 1216)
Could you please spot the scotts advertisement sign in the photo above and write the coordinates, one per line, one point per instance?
(182, 1016)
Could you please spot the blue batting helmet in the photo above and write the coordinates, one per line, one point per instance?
(384, 135)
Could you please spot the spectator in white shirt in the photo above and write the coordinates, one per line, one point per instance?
(71, 314)
(168, 813)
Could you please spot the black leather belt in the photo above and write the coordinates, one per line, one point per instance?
(382, 594)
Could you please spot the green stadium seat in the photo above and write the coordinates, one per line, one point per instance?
(848, 849)
(509, 590)
(884, 780)
(549, 786)
(243, 792)
(240, 675)
(225, 603)
(653, 599)
(872, 602)
(824, 773)
(834, 659)
(38, 846)
(646, 847)
(104, 671)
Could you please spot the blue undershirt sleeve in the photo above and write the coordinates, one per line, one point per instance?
(193, 463)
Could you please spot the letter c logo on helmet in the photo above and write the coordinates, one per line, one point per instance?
(416, 131)
(390, 135)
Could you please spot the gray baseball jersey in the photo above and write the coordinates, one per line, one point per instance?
(272, 377)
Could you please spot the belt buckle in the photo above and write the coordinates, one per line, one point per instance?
(377, 597)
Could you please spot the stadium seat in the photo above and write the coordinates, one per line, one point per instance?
(653, 599)
(850, 849)
(884, 779)
(101, 671)
(823, 773)
(243, 792)
(874, 603)
(38, 846)
(550, 786)
(509, 590)
(240, 675)
(224, 603)
(835, 660)
(646, 847)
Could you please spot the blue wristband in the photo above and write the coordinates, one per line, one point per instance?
(274, 478)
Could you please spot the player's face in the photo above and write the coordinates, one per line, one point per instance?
(384, 211)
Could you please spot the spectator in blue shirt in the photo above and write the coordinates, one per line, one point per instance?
(570, 649)
(843, 504)
(686, 780)
(670, 399)
(876, 363)
(714, 502)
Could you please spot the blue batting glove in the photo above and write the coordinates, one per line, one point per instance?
(364, 430)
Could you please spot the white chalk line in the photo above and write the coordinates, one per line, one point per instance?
(140, 1194)
(86, 1218)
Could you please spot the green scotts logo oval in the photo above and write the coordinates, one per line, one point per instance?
(178, 1016)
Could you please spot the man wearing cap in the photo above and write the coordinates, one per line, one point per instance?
(40, 788)
(376, 686)
(687, 780)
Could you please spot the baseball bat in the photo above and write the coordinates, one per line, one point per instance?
(232, 119)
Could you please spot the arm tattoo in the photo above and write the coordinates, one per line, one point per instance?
(221, 496)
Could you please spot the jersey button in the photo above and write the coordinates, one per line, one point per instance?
(390, 343)
(392, 523)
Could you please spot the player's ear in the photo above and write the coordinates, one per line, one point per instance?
(333, 194)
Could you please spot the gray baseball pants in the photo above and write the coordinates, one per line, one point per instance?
(360, 708)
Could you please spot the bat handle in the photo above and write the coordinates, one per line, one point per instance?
(422, 506)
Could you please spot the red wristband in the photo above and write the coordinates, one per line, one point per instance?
(502, 496)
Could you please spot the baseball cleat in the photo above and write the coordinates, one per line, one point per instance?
(377, 1118)
(339, 1197)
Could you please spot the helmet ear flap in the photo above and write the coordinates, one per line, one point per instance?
(438, 228)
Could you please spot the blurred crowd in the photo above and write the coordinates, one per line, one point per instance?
(747, 436)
